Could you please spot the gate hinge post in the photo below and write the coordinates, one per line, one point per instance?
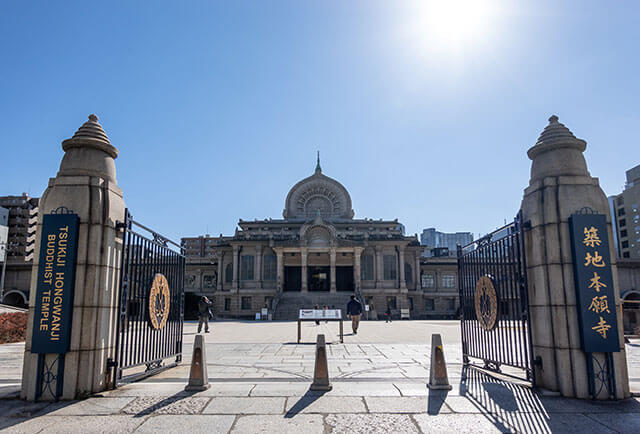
(537, 362)
(120, 225)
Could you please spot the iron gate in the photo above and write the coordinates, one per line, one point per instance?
(151, 302)
(494, 307)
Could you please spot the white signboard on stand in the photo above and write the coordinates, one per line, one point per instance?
(319, 314)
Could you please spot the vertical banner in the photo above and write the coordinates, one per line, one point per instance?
(55, 285)
(594, 283)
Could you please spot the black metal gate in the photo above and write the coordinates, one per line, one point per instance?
(151, 303)
(494, 303)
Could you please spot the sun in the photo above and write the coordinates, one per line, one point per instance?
(451, 24)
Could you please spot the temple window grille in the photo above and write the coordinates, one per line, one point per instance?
(270, 267)
(448, 281)
(390, 267)
(246, 267)
(245, 303)
(366, 267)
(228, 273)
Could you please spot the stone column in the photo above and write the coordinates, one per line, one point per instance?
(280, 270)
(220, 270)
(403, 281)
(379, 267)
(561, 185)
(86, 185)
(416, 272)
(303, 277)
(258, 271)
(332, 269)
(236, 260)
(357, 252)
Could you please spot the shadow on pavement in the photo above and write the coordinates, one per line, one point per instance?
(169, 400)
(509, 406)
(305, 400)
(435, 401)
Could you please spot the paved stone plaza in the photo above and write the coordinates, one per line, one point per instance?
(260, 382)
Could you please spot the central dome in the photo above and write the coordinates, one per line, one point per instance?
(318, 194)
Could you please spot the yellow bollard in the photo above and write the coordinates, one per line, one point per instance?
(198, 378)
(438, 379)
(321, 370)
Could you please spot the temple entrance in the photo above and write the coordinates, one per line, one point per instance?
(318, 278)
(344, 278)
(292, 278)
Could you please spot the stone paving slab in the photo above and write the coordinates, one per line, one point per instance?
(279, 389)
(413, 404)
(370, 423)
(166, 405)
(302, 423)
(88, 407)
(620, 422)
(412, 389)
(325, 404)
(193, 424)
(456, 423)
(18, 408)
(253, 405)
(72, 424)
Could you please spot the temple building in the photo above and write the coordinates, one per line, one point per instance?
(317, 254)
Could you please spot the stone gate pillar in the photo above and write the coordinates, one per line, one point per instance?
(85, 185)
(560, 186)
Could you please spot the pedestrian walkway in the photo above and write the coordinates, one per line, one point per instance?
(378, 387)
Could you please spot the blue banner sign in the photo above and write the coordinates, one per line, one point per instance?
(594, 283)
(56, 278)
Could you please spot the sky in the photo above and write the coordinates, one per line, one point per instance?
(423, 110)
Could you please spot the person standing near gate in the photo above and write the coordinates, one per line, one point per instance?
(354, 311)
(204, 307)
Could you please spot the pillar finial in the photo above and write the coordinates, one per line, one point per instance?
(318, 168)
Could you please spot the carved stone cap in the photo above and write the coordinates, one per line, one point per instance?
(91, 135)
(557, 153)
(556, 135)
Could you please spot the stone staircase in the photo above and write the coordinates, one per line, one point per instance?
(290, 303)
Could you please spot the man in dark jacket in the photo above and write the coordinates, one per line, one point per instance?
(204, 306)
(354, 311)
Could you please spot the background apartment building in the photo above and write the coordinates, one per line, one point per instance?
(441, 243)
(19, 247)
(625, 209)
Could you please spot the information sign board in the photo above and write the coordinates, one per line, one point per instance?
(594, 283)
(55, 284)
(320, 314)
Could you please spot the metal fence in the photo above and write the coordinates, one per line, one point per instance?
(151, 302)
(494, 303)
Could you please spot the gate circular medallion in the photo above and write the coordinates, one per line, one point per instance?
(159, 301)
(486, 303)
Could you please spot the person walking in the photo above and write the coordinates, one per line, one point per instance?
(204, 309)
(387, 313)
(354, 311)
(316, 308)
